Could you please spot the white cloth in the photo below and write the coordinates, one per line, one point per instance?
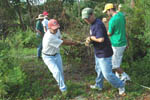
(117, 56)
(51, 43)
(45, 23)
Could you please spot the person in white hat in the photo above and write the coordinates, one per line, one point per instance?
(39, 33)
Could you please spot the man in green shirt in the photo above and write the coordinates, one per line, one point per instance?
(117, 33)
(40, 34)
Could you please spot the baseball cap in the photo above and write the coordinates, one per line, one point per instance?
(108, 6)
(53, 24)
(45, 13)
(86, 12)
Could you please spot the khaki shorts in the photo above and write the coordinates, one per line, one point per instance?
(117, 56)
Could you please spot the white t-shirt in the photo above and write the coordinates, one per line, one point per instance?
(45, 23)
(51, 43)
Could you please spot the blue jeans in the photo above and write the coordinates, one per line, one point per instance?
(103, 68)
(39, 48)
(54, 64)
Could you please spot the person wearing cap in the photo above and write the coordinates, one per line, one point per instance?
(102, 51)
(117, 33)
(52, 41)
(40, 34)
(45, 21)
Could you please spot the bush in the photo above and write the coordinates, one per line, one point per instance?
(22, 39)
(11, 75)
(137, 30)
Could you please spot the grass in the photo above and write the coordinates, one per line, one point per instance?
(40, 85)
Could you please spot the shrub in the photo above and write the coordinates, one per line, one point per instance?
(22, 39)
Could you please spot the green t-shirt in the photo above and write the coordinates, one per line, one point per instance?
(39, 26)
(117, 30)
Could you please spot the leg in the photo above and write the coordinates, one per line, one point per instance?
(106, 67)
(50, 61)
(100, 77)
(59, 62)
(60, 66)
(39, 49)
(117, 60)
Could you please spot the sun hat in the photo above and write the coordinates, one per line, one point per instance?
(41, 16)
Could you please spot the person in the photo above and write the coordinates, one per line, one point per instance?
(39, 33)
(119, 7)
(52, 41)
(45, 21)
(103, 52)
(117, 33)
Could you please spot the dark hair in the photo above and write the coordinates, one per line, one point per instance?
(114, 9)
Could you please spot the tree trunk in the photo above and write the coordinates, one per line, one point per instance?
(132, 3)
(30, 12)
(20, 17)
(78, 8)
(17, 8)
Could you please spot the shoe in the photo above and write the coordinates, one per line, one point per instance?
(117, 74)
(125, 77)
(122, 91)
(94, 87)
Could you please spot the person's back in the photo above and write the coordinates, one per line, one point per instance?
(45, 24)
(117, 28)
(117, 33)
(39, 27)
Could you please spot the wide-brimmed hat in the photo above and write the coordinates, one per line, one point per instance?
(53, 24)
(41, 16)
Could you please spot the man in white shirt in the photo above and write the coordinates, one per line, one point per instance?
(45, 21)
(50, 52)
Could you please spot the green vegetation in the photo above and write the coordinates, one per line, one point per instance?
(24, 77)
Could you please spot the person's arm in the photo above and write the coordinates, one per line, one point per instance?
(38, 31)
(68, 42)
(98, 33)
(99, 40)
(45, 29)
(44, 25)
(110, 28)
